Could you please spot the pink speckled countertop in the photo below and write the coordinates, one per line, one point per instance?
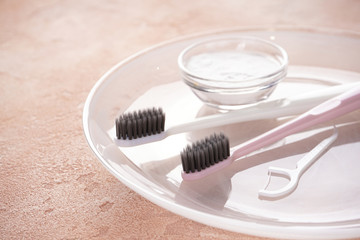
(51, 55)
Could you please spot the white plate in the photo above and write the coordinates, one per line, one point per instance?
(326, 202)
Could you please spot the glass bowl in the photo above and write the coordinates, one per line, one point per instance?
(229, 72)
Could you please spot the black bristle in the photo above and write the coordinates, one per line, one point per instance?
(144, 123)
(203, 154)
(202, 158)
(197, 160)
(153, 122)
(211, 155)
(129, 128)
(207, 155)
(184, 161)
(190, 159)
(215, 150)
(117, 128)
(140, 124)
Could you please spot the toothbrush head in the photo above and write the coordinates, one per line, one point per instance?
(140, 124)
(200, 157)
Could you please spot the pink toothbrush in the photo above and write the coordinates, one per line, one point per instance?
(212, 154)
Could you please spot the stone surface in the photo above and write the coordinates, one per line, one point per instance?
(51, 54)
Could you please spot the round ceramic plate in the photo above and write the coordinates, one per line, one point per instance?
(325, 203)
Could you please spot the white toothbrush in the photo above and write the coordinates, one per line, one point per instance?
(147, 126)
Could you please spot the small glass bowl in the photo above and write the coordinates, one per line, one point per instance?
(229, 72)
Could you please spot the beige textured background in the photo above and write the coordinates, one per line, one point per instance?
(51, 54)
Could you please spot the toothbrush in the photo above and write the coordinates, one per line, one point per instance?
(147, 126)
(212, 154)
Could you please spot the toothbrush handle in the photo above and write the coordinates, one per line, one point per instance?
(292, 105)
(335, 107)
